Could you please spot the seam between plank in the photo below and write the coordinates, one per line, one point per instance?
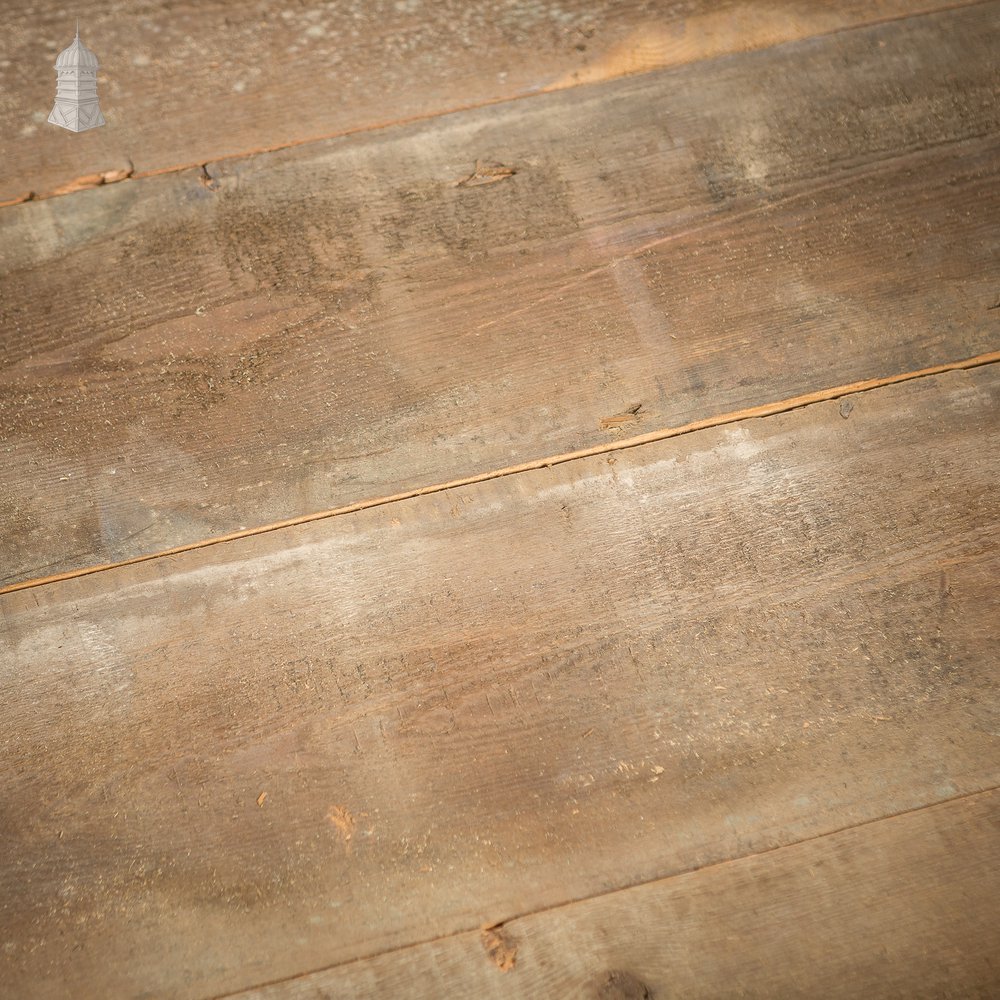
(99, 179)
(651, 437)
(710, 866)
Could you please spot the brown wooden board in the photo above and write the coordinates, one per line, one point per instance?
(264, 757)
(185, 357)
(184, 83)
(904, 907)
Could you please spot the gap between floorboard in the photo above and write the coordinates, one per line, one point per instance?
(720, 420)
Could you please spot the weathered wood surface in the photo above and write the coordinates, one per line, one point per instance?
(185, 83)
(238, 764)
(905, 907)
(325, 325)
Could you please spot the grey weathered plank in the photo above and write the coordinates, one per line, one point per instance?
(185, 83)
(264, 757)
(342, 322)
(904, 907)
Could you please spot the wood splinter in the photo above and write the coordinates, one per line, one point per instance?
(486, 173)
(618, 420)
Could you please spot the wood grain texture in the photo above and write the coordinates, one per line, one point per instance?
(904, 907)
(239, 764)
(183, 83)
(321, 326)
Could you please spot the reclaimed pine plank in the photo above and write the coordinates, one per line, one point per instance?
(261, 758)
(185, 83)
(184, 357)
(903, 907)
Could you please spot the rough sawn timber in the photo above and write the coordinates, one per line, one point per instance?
(184, 83)
(345, 321)
(266, 757)
(903, 907)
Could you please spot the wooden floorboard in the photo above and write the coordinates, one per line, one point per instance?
(185, 83)
(904, 907)
(190, 355)
(236, 765)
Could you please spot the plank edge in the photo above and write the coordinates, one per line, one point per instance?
(780, 849)
(760, 411)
